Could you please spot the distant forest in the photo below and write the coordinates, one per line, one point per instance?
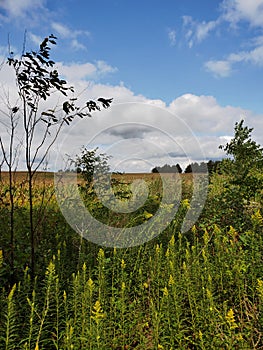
(210, 166)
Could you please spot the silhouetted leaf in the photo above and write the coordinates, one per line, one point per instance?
(105, 102)
(92, 106)
(15, 109)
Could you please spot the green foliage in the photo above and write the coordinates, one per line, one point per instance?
(196, 168)
(236, 188)
(203, 294)
(36, 81)
(247, 161)
(246, 153)
(168, 169)
(200, 290)
(89, 161)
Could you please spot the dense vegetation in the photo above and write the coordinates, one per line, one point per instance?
(202, 289)
(199, 290)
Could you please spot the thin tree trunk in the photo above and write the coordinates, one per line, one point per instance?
(11, 197)
(31, 222)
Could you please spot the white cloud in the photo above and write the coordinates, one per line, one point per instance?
(172, 36)
(232, 11)
(188, 114)
(21, 8)
(35, 38)
(62, 30)
(219, 68)
(123, 130)
(203, 29)
(251, 11)
(24, 13)
(76, 45)
(196, 32)
(204, 115)
(104, 67)
(255, 56)
(224, 68)
(82, 71)
(67, 33)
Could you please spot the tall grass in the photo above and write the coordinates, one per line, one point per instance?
(207, 294)
(200, 290)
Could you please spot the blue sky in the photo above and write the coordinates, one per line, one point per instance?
(201, 60)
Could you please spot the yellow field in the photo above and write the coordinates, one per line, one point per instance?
(48, 177)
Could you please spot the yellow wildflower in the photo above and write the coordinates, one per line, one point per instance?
(97, 312)
(260, 288)
(172, 241)
(257, 218)
(230, 318)
(186, 203)
(123, 265)
(165, 292)
(171, 281)
(90, 284)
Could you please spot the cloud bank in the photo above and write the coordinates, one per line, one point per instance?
(140, 133)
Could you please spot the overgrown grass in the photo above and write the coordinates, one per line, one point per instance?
(201, 290)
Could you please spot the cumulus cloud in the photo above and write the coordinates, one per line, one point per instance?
(80, 71)
(204, 115)
(138, 132)
(140, 135)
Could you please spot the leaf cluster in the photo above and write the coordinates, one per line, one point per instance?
(37, 78)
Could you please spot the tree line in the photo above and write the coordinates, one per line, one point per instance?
(203, 167)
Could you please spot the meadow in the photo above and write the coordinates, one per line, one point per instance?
(199, 290)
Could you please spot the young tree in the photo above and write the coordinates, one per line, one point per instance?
(89, 161)
(37, 81)
(236, 186)
(10, 160)
(245, 162)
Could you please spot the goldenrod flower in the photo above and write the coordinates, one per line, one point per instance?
(186, 203)
(260, 288)
(123, 265)
(101, 253)
(97, 312)
(230, 318)
(171, 281)
(172, 241)
(257, 218)
(165, 292)
(90, 284)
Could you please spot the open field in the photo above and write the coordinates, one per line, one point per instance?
(49, 176)
(199, 290)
